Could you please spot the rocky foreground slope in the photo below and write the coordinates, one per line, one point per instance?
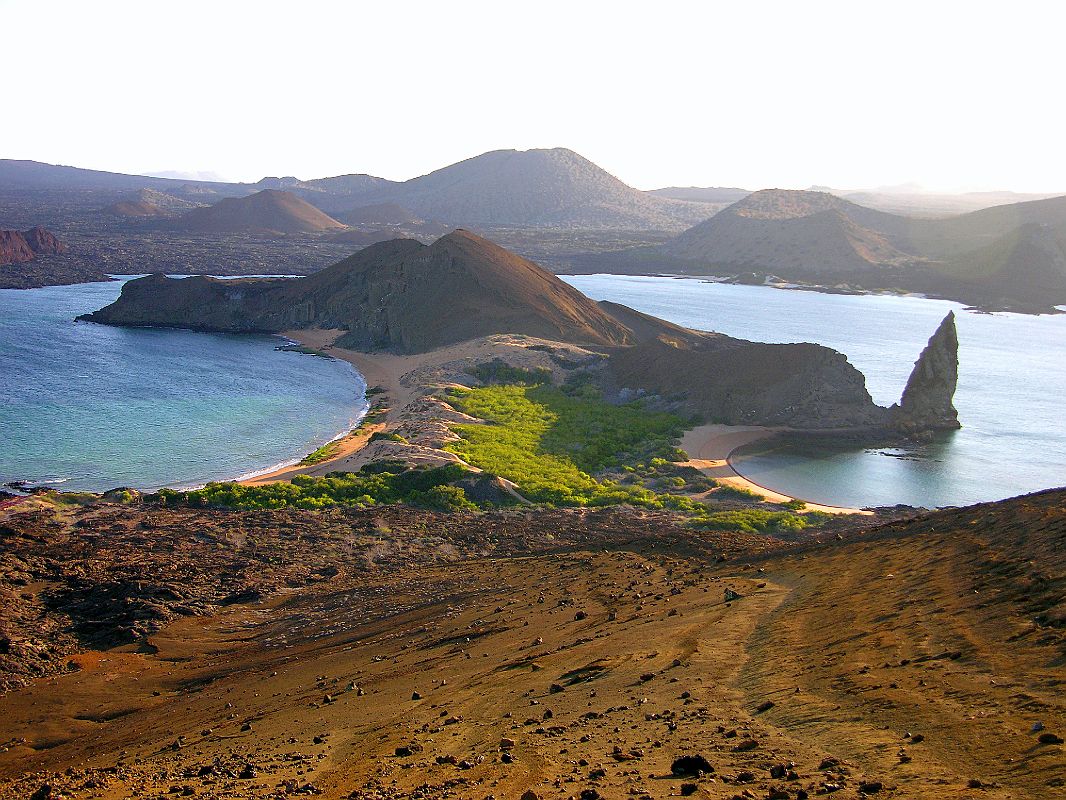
(394, 653)
(406, 297)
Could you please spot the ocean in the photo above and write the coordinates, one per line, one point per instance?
(1010, 398)
(90, 407)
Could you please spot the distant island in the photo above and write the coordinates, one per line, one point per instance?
(1004, 257)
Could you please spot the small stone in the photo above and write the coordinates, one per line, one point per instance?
(688, 789)
(870, 787)
(555, 688)
(416, 696)
(1049, 738)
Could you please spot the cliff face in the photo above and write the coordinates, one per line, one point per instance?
(737, 382)
(927, 401)
(18, 247)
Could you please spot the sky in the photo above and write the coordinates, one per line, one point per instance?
(955, 96)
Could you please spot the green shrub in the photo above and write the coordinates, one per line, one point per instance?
(499, 371)
(752, 520)
(380, 436)
(725, 490)
(427, 486)
(549, 442)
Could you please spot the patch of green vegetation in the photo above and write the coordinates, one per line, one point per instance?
(427, 487)
(735, 492)
(755, 520)
(499, 371)
(323, 453)
(548, 442)
(379, 436)
(72, 498)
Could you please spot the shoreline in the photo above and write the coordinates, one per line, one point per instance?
(711, 449)
(381, 371)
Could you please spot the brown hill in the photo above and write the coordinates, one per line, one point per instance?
(268, 210)
(539, 188)
(399, 295)
(812, 235)
(150, 203)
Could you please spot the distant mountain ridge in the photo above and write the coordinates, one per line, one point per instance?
(534, 188)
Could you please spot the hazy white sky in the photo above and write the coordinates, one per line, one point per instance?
(953, 95)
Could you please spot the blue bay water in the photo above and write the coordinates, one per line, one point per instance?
(92, 407)
(1011, 394)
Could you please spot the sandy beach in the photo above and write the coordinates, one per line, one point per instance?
(710, 446)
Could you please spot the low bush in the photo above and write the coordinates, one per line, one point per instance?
(424, 486)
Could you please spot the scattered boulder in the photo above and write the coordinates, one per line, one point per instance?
(691, 765)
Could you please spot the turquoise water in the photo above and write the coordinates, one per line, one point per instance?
(91, 407)
(1012, 387)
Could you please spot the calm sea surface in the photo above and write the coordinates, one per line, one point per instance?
(1011, 395)
(91, 407)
